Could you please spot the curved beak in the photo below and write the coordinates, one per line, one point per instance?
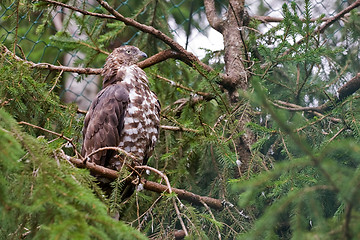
(142, 54)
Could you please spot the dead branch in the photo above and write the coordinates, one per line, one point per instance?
(149, 185)
(48, 66)
(178, 129)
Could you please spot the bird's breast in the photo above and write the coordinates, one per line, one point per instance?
(141, 121)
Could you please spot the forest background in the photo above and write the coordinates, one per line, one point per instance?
(259, 131)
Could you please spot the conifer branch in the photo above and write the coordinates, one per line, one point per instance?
(163, 176)
(268, 19)
(345, 91)
(157, 58)
(327, 24)
(333, 19)
(149, 185)
(182, 54)
(206, 95)
(70, 140)
(186, 56)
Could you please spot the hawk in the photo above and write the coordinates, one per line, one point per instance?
(125, 113)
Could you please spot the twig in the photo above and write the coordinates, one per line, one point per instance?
(337, 134)
(148, 210)
(178, 129)
(56, 81)
(54, 133)
(119, 150)
(170, 191)
(213, 217)
(204, 94)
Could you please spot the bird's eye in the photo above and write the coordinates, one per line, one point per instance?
(128, 51)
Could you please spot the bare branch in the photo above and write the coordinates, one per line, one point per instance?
(185, 195)
(49, 66)
(119, 150)
(159, 57)
(99, 15)
(345, 91)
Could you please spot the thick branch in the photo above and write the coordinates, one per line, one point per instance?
(349, 88)
(160, 57)
(211, 15)
(149, 185)
(158, 34)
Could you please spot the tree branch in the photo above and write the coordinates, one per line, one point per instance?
(48, 66)
(211, 15)
(349, 88)
(169, 188)
(159, 57)
(190, 58)
(333, 19)
(345, 91)
(149, 185)
(99, 15)
(267, 19)
(328, 23)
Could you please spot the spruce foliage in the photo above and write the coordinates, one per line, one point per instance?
(302, 181)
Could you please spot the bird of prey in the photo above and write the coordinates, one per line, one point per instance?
(125, 113)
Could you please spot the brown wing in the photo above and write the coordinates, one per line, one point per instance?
(104, 122)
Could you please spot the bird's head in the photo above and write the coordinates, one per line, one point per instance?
(122, 56)
(126, 55)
